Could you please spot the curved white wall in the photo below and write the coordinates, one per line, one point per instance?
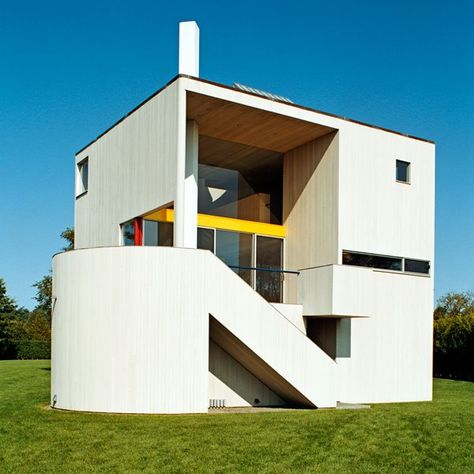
(131, 331)
(120, 343)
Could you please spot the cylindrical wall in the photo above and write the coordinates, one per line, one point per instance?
(121, 342)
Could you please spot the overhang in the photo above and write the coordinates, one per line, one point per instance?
(250, 126)
(199, 110)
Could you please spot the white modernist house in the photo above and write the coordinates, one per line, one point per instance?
(236, 249)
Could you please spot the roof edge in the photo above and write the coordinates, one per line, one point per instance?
(309, 109)
(161, 89)
(216, 84)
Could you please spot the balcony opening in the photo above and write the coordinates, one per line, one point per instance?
(240, 193)
(239, 181)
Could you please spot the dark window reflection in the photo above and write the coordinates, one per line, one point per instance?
(417, 266)
(165, 234)
(231, 193)
(373, 261)
(205, 239)
(403, 171)
(128, 233)
(269, 255)
(235, 250)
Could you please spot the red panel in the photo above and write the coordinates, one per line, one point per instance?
(138, 228)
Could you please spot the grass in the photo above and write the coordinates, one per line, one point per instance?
(417, 437)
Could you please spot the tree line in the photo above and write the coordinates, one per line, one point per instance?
(26, 334)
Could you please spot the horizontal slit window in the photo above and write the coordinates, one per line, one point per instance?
(372, 261)
(417, 266)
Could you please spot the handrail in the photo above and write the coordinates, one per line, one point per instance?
(275, 270)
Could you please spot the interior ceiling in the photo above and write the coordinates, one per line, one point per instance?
(245, 125)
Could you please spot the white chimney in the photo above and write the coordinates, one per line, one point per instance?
(189, 48)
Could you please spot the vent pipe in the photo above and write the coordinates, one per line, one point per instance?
(189, 48)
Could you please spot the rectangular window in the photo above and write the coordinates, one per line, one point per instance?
(417, 266)
(403, 171)
(83, 176)
(270, 257)
(150, 233)
(128, 233)
(165, 234)
(205, 239)
(157, 233)
(255, 258)
(373, 261)
(235, 250)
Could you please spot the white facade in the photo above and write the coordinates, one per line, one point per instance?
(150, 329)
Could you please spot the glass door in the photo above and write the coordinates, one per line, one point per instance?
(257, 259)
(269, 255)
(235, 249)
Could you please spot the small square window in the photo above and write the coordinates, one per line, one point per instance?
(83, 176)
(403, 171)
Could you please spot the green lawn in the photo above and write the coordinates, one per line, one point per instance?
(415, 437)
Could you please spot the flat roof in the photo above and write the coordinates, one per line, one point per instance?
(216, 84)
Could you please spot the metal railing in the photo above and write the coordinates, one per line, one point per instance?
(259, 269)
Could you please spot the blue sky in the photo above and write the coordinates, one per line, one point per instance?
(68, 70)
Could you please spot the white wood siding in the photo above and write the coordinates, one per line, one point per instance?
(391, 352)
(376, 213)
(336, 290)
(131, 331)
(127, 335)
(132, 170)
(350, 201)
(310, 207)
(230, 381)
(391, 358)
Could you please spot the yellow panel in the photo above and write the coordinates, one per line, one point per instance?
(240, 225)
(224, 223)
(163, 215)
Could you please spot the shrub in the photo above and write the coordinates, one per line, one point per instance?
(454, 346)
(33, 349)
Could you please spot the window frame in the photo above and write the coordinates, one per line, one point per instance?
(411, 272)
(408, 180)
(369, 254)
(122, 237)
(255, 236)
(403, 270)
(81, 189)
(214, 236)
(254, 263)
